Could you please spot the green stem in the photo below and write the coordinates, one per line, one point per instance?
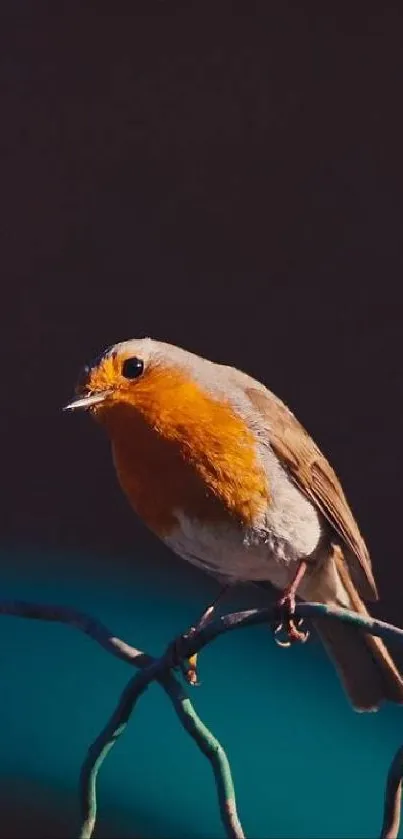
(193, 643)
(212, 749)
(101, 747)
(393, 798)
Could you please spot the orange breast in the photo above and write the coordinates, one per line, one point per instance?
(176, 448)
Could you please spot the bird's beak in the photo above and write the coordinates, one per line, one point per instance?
(85, 402)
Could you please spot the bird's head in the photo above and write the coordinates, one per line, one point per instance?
(111, 377)
(161, 382)
(176, 392)
(131, 375)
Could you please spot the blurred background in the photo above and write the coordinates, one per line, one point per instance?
(229, 181)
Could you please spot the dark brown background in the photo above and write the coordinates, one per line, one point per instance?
(225, 180)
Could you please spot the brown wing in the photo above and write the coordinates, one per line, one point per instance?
(316, 479)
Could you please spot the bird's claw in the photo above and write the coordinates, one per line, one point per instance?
(293, 630)
(293, 633)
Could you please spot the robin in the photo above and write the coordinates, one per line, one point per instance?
(221, 470)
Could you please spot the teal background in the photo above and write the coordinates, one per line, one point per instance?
(304, 764)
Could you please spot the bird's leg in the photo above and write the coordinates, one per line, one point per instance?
(287, 605)
(208, 613)
(189, 665)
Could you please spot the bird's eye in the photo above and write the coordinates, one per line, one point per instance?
(132, 368)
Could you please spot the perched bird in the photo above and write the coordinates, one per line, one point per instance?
(220, 469)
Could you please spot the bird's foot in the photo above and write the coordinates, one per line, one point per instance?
(188, 666)
(289, 628)
(179, 660)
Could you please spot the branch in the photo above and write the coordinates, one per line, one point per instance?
(160, 670)
(157, 669)
(102, 745)
(213, 750)
(195, 642)
(78, 620)
(238, 620)
(393, 798)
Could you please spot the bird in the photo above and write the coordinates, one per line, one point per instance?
(220, 469)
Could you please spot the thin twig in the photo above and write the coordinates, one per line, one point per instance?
(160, 670)
(307, 611)
(99, 749)
(78, 620)
(393, 798)
(115, 727)
(199, 639)
(213, 750)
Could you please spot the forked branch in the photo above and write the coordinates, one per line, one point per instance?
(162, 671)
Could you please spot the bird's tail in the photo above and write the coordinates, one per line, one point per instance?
(365, 666)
